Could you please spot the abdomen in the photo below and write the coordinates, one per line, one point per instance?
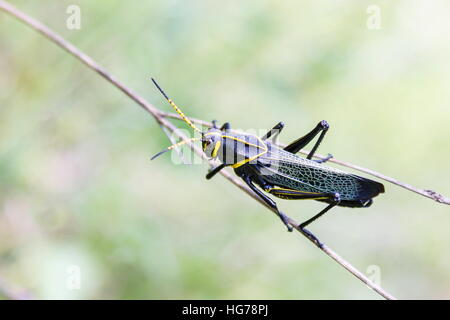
(284, 169)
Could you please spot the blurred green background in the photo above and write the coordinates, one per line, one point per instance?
(79, 193)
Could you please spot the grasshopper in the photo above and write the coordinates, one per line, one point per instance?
(280, 171)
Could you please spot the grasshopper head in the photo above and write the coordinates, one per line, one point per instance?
(211, 142)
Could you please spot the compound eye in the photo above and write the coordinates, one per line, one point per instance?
(206, 143)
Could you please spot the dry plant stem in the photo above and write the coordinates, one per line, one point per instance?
(160, 118)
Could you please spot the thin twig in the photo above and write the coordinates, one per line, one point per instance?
(160, 118)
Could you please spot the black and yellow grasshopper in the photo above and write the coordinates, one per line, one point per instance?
(280, 171)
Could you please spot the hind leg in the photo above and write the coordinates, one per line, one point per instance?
(291, 194)
(300, 143)
(267, 200)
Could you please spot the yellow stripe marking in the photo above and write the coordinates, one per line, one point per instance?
(294, 193)
(287, 189)
(216, 149)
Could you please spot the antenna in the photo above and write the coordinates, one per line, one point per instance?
(178, 110)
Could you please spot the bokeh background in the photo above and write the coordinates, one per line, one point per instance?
(78, 192)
